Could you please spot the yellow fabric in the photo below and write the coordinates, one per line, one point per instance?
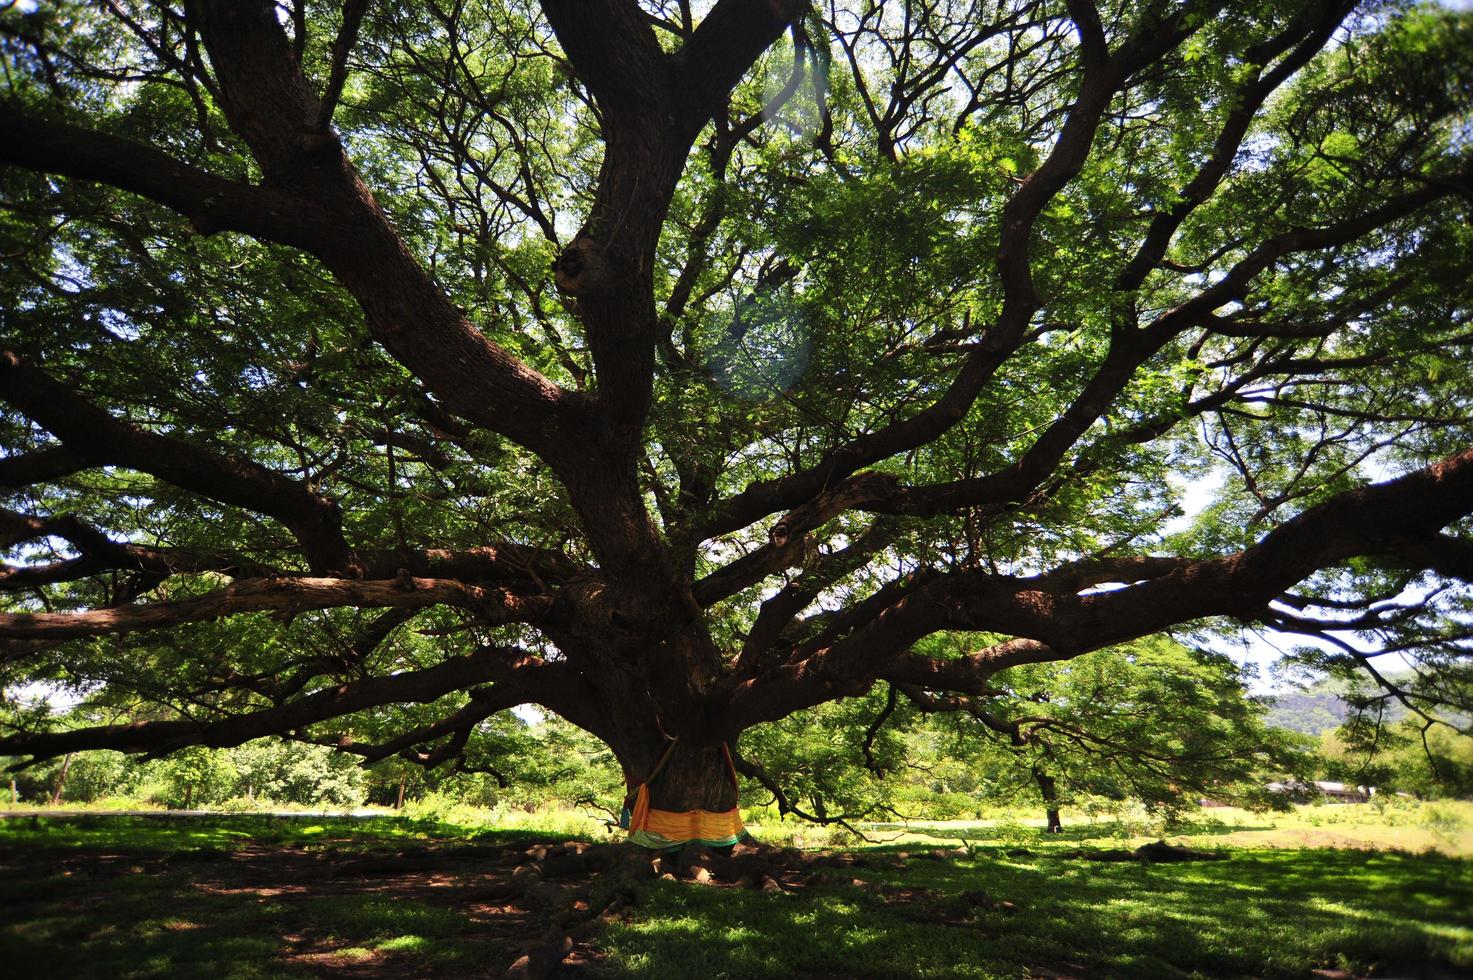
(650, 826)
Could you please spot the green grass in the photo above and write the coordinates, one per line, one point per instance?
(1269, 913)
(1444, 826)
(74, 904)
(161, 926)
(225, 833)
(136, 897)
(135, 926)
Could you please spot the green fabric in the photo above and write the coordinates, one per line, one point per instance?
(653, 841)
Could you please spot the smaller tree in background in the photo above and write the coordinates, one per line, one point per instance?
(89, 776)
(1155, 722)
(198, 776)
(290, 772)
(1405, 756)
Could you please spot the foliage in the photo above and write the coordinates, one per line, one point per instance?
(1178, 921)
(1155, 722)
(263, 772)
(287, 772)
(1401, 757)
(197, 776)
(371, 370)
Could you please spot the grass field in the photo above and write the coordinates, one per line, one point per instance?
(244, 896)
(1446, 827)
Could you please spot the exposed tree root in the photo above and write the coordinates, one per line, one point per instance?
(1158, 852)
(578, 886)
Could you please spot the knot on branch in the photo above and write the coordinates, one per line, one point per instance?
(286, 615)
(311, 148)
(857, 491)
(782, 532)
(581, 269)
(205, 222)
(319, 142)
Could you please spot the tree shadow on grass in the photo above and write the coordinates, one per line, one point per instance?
(226, 906)
(1072, 832)
(1263, 914)
(108, 909)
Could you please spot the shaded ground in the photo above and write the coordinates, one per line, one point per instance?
(266, 910)
(109, 898)
(244, 897)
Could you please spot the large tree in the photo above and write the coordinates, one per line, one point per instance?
(371, 369)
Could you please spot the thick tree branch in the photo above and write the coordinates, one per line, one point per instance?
(1100, 81)
(41, 466)
(969, 673)
(1441, 553)
(211, 203)
(1369, 520)
(342, 47)
(492, 664)
(286, 596)
(99, 553)
(93, 433)
(505, 564)
(613, 49)
(724, 47)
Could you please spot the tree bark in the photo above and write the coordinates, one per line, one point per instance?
(694, 779)
(1050, 794)
(692, 776)
(66, 764)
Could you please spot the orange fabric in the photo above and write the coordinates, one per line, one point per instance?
(680, 827)
(660, 827)
(641, 810)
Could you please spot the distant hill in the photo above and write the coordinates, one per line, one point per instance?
(1311, 710)
(1318, 707)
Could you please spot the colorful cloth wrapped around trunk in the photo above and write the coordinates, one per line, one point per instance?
(660, 829)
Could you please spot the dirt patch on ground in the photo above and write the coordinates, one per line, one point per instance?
(498, 922)
(444, 910)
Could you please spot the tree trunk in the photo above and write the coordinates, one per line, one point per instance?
(1050, 795)
(188, 795)
(694, 779)
(686, 777)
(66, 764)
(399, 800)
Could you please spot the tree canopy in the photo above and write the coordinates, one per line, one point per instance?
(370, 369)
